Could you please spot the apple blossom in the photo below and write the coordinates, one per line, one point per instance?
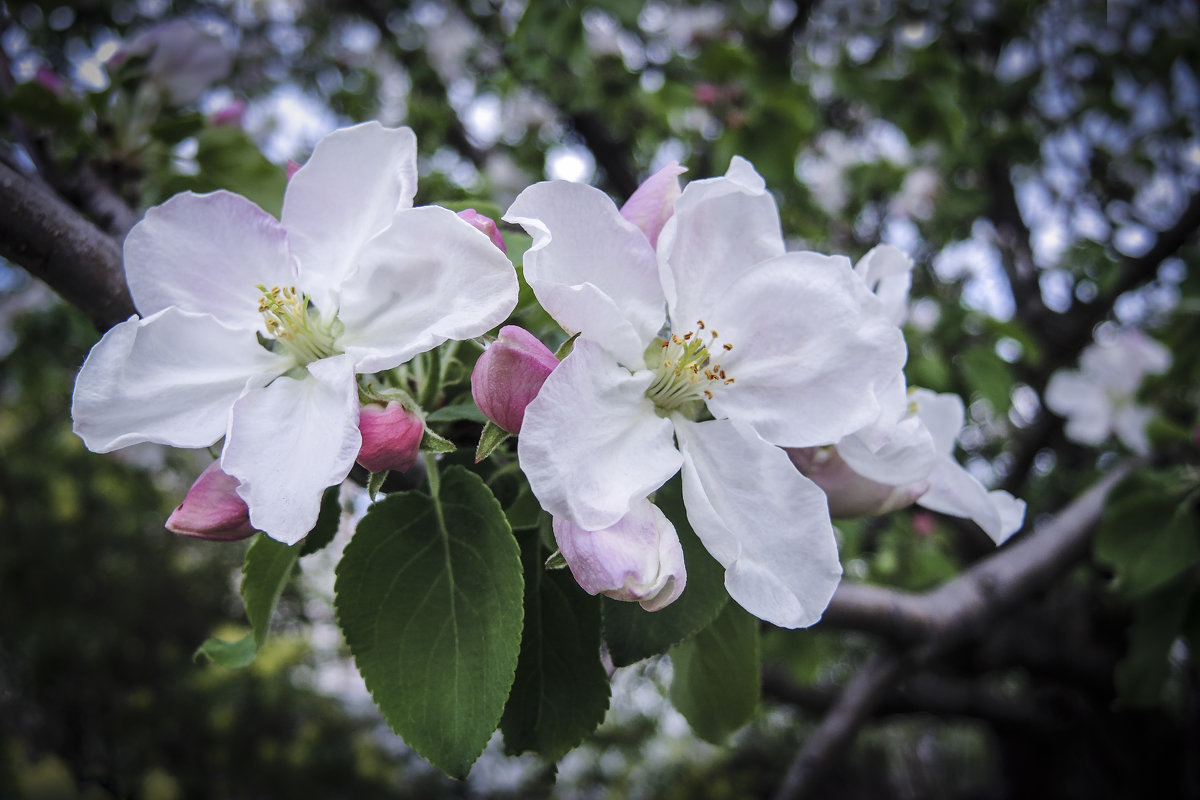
(391, 436)
(509, 374)
(637, 559)
(781, 349)
(255, 329)
(212, 509)
(182, 59)
(1099, 398)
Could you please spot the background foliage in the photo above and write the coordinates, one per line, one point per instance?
(1040, 161)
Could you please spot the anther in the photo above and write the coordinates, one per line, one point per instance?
(727, 346)
(708, 394)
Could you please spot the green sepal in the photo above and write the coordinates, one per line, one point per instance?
(432, 443)
(491, 438)
(375, 483)
(566, 347)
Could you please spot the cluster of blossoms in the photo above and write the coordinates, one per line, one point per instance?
(257, 330)
(771, 380)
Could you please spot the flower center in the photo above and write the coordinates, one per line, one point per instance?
(687, 373)
(296, 325)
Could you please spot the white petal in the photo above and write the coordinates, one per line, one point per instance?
(290, 440)
(808, 356)
(943, 415)
(1011, 511)
(591, 443)
(721, 227)
(907, 457)
(1087, 407)
(348, 191)
(1129, 424)
(591, 269)
(887, 271)
(428, 278)
(766, 523)
(170, 378)
(206, 253)
(955, 491)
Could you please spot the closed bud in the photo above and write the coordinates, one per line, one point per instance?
(212, 509)
(509, 374)
(639, 559)
(485, 224)
(391, 436)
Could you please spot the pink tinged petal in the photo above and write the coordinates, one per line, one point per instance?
(485, 225)
(207, 253)
(591, 444)
(591, 269)
(170, 378)
(288, 441)
(808, 356)
(761, 519)
(430, 277)
(509, 374)
(348, 192)
(639, 559)
(721, 228)
(653, 203)
(212, 509)
(850, 494)
(391, 437)
(887, 271)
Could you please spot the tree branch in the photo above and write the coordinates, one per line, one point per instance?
(42, 233)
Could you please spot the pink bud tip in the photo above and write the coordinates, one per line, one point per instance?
(391, 436)
(485, 224)
(212, 509)
(292, 168)
(706, 93)
(49, 79)
(231, 116)
(654, 201)
(509, 374)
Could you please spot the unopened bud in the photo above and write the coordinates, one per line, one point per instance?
(212, 508)
(639, 559)
(485, 224)
(391, 436)
(509, 374)
(851, 495)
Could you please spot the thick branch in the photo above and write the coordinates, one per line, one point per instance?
(965, 605)
(45, 235)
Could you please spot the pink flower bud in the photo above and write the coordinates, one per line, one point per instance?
(212, 508)
(706, 93)
(654, 201)
(485, 224)
(850, 494)
(391, 436)
(50, 79)
(509, 374)
(638, 559)
(292, 168)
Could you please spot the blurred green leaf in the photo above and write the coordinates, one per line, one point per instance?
(717, 679)
(1150, 531)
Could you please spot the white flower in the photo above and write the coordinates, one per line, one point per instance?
(255, 329)
(779, 348)
(1098, 399)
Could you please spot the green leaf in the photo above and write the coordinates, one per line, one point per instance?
(631, 632)
(456, 412)
(428, 595)
(229, 159)
(265, 572)
(1150, 532)
(231, 655)
(328, 521)
(44, 108)
(491, 438)
(1158, 619)
(524, 511)
(717, 679)
(561, 689)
